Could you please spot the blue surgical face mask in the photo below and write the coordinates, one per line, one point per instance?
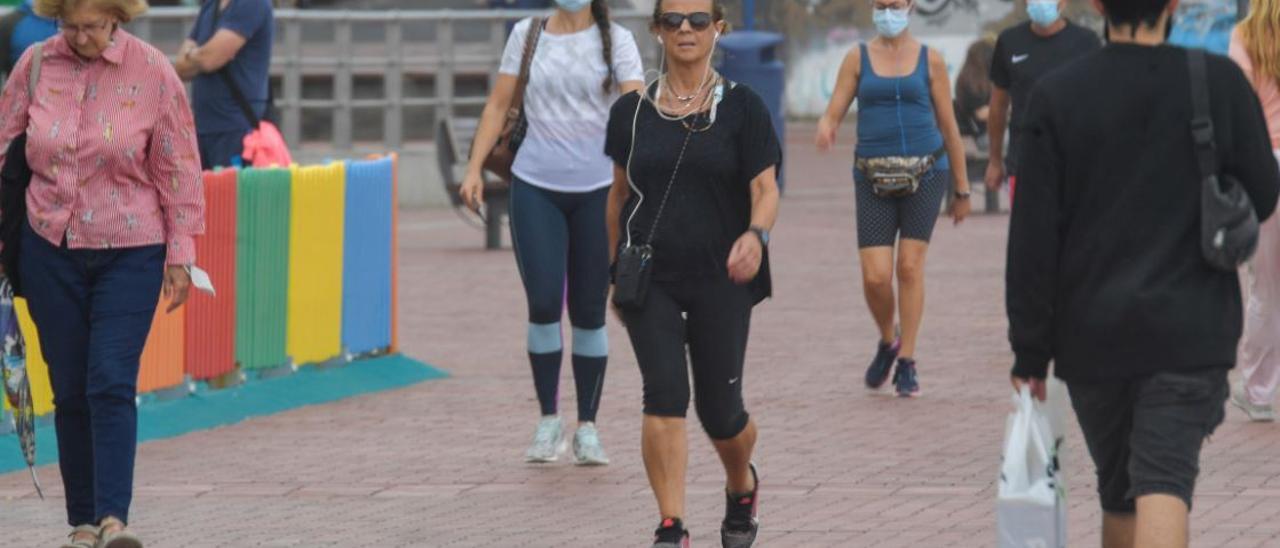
(1043, 12)
(572, 6)
(891, 23)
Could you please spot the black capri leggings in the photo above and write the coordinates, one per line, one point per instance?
(880, 220)
(712, 316)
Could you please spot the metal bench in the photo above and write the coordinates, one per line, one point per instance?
(452, 161)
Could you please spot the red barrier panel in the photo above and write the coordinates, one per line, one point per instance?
(211, 321)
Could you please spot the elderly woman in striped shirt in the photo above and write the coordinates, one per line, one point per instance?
(114, 202)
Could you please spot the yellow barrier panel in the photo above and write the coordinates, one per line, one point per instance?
(315, 263)
(37, 370)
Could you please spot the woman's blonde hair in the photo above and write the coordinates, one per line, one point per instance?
(124, 10)
(1260, 31)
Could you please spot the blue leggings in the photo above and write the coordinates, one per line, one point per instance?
(561, 244)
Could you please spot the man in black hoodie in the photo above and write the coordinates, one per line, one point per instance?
(1105, 273)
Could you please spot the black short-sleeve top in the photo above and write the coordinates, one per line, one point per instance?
(710, 202)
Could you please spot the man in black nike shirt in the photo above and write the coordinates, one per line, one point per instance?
(1024, 54)
(1105, 273)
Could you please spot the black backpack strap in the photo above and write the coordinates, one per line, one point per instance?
(1202, 133)
(225, 74)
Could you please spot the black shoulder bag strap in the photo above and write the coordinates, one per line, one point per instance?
(1202, 132)
(225, 74)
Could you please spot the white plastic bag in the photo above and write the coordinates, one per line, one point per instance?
(1031, 506)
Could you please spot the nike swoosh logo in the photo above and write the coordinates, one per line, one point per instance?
(1020, 58)
(733, 380)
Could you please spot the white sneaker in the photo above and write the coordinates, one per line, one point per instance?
(1256, 412)
(587, 450)
(548, 441)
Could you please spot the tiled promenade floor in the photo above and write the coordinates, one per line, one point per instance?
(439, 464)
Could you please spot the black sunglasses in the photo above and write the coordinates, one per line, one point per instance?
(672, 21)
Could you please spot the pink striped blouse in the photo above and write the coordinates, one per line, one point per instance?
(112, 148)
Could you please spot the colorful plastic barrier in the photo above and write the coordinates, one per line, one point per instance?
(366, 291)
(315, 264)
(262, 273)
(211, 320)
(37, 370)
(163, 355)
(304, 264)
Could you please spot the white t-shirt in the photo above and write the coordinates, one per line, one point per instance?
(567, 106)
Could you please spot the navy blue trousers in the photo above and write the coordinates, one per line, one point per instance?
(93, 309)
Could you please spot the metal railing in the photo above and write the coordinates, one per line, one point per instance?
(426, 51)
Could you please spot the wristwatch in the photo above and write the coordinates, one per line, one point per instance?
(761, 233)
(962, 195)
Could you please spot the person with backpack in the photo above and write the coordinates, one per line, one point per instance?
(114, 200)
(227, 57)
(19, 29)
(1144, 169)
(562, 73)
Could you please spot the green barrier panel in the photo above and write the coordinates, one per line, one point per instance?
(262, 267)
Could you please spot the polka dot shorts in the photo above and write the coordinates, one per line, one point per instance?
(882, 220)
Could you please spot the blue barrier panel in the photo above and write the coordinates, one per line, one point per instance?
(366, 291)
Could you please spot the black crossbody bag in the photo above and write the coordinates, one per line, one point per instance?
(1228, 221)
(634, 269)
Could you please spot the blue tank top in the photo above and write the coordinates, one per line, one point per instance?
(895, 115)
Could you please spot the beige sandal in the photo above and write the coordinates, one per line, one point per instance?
(82, 543)
(119, 538)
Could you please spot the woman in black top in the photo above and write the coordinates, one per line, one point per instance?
(710, 145)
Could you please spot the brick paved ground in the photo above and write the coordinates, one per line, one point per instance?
(439, 464)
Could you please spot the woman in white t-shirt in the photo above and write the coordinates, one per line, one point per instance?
(582, 64)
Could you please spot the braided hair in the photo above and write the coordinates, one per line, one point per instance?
(600, 12)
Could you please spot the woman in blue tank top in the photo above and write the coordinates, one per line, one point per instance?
(904, 110)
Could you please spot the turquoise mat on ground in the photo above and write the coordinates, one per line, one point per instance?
(213, 408)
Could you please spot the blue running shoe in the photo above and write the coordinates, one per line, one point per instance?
(904, 379)
(882, 364)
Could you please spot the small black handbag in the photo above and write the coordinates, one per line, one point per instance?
(1228, 221)
(634, 268)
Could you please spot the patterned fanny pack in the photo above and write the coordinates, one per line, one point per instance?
(897, 176)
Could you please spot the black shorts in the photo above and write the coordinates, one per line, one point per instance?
(1145, 435)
